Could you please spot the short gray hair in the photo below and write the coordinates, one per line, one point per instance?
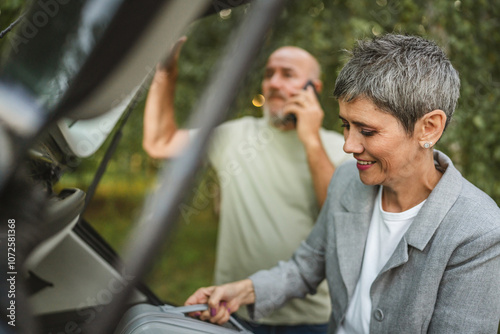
(406, 76)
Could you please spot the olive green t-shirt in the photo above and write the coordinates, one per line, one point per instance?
(268, 206)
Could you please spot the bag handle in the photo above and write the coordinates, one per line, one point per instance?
(197, 308)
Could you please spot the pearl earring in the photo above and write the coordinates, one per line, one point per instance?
(427, 145)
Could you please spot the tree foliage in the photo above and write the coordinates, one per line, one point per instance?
(468, 30)
(10, 10)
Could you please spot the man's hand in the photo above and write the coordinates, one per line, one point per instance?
(222, 300)
(167, 68)
(306, 107)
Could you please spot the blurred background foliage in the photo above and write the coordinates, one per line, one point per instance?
(468, 30)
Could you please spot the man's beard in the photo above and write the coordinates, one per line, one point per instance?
(276, 119)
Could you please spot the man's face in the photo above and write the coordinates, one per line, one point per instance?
(287, 71)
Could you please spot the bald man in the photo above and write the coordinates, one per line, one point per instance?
(273, 174)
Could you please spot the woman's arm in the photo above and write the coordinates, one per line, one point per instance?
(469, 294)
(268, 290)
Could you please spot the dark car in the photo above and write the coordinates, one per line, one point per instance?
(74, 70)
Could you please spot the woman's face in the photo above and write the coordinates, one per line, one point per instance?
(386, 154)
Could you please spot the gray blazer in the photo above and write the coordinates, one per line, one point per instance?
(443, 277)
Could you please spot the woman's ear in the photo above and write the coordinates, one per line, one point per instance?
(430, 128)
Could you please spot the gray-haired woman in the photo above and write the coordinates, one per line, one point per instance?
(406, 244)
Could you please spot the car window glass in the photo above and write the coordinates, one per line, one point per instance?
(52, 42)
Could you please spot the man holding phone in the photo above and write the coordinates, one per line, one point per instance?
(274, 175)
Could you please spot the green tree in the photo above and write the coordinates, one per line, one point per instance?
(10, 11)
(467, 30)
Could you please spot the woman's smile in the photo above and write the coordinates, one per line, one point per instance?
(364, 165)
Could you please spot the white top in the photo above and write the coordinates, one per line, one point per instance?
(385, 232)
(268, 206)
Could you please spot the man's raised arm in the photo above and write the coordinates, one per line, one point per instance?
(309, 115)
(162, 139)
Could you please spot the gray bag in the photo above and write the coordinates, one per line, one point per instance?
(150, 319)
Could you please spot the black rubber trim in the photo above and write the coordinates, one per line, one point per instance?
(67, 321)
(64, 208)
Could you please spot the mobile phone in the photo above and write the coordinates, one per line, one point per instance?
(310, 83)
(291, 117)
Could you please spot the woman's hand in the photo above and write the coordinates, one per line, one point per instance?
(222, 300)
